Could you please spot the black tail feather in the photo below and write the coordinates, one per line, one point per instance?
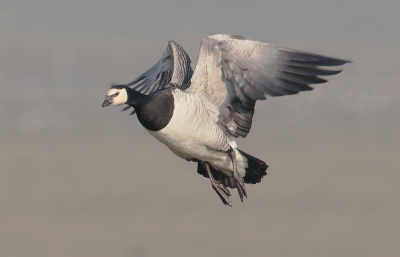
(256, 169)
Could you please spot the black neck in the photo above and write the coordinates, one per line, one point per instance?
(135, 98)
(153, 111)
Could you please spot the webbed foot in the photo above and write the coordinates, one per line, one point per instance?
(222, 192)
(219, 188)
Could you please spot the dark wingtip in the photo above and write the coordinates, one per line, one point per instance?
(118, 86)
(330, 72)
(301, 57)
(126, 108)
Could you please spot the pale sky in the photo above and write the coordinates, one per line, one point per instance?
(77, 179)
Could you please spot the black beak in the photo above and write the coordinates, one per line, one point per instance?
(107, 102)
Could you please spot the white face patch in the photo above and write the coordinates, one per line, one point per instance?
(119, 99)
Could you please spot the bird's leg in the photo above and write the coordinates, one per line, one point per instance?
(221, 190)
(236, 176)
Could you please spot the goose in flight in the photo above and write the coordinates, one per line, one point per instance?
(198, 115)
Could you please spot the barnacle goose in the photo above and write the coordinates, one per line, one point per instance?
(198, 117)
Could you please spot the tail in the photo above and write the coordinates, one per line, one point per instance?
(255, 171)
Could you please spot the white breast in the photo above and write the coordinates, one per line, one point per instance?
(191, 134)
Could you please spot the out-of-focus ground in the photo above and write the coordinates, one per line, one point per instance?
(80, 180)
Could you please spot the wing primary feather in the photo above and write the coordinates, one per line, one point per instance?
(291, 87)
(308, 71)
(320, 60)
(126, 108)
(300, 79)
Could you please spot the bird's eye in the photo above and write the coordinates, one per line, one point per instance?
(116, 93)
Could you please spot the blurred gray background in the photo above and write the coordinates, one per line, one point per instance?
(80, 180)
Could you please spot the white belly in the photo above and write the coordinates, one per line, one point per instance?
(191, 134)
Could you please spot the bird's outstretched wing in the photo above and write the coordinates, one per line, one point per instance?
(172, 70)
(232, 73)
